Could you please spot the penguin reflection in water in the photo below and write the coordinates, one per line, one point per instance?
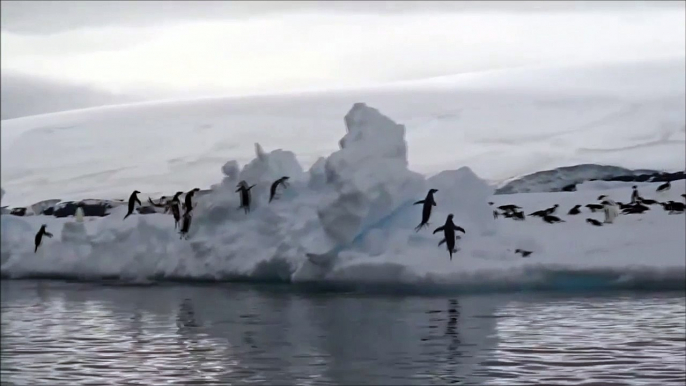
(449, 229)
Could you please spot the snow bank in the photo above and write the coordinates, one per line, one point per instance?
(503, 124)
(349, 221)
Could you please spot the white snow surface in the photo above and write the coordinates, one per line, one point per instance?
(502, 124)
(349, 220)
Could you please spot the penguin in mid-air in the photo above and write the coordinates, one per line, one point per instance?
(427, 203)
(132, 203)
(281, 181)
(188, 200)
(185, 225)
(39, 236)
(449, 229)
(244, 189)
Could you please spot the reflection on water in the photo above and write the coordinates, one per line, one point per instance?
(57, 333)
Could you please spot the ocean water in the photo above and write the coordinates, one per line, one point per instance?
(67, 333)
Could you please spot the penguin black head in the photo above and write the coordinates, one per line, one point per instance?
(135, 192)
(633, 187)
(196, 189)
(601, 197)
(432, 191)
(43, 226)
(450, 217)
(490, 203)
(284, 178)
(179, 193)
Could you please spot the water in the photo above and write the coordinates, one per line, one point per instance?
(58, 333)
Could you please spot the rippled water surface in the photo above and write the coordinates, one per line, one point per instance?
(56, 333)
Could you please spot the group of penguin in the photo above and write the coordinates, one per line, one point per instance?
(637, 205)
(611, 208)
(175, 206)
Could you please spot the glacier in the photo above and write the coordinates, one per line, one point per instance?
(348, 222)
(503, 124)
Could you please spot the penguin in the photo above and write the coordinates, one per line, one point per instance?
(594, 207)
(634, 194)
(544, 212)
(518, 216)
(133, 199)
(523, 252)
(594, 222)
(39, 236)
(551, 210)
(550, 219)
(427, 203)
(161, 203)
(186, 225)
(495, 214)
(509, 207)
(646, 201)
(684, 195)
(281, 181)
(635, 209)
(188, 200)
(538, 213)
(673, 207)
(174, 207)
(449, 232)
(575, 210)
(611, 211)
(601, 197)
(664, 187)
(245, 195)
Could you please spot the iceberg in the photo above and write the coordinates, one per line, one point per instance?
(349, 222)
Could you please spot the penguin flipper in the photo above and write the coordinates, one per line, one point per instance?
(419, 202)
(457, 228)
(441, 242)
(439, 229)
(48, 234)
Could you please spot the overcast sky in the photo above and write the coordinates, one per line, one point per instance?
(108, 52)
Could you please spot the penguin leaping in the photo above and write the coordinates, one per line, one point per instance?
(133, 199)
(427, 204)
(39, 237)
(449, 229)
(272, 190)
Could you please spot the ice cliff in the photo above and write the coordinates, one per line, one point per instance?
(349, 219)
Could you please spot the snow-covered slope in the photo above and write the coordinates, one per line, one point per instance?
(350, 220)
(502, 124)
(557, 179)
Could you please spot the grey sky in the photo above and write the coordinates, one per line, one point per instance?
(184, 49)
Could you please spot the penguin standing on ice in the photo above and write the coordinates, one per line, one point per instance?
(245, 195)
(132, 203)
(449, 229)
(272, 190)
(39, 236)
(174, 206)
(427, 203)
